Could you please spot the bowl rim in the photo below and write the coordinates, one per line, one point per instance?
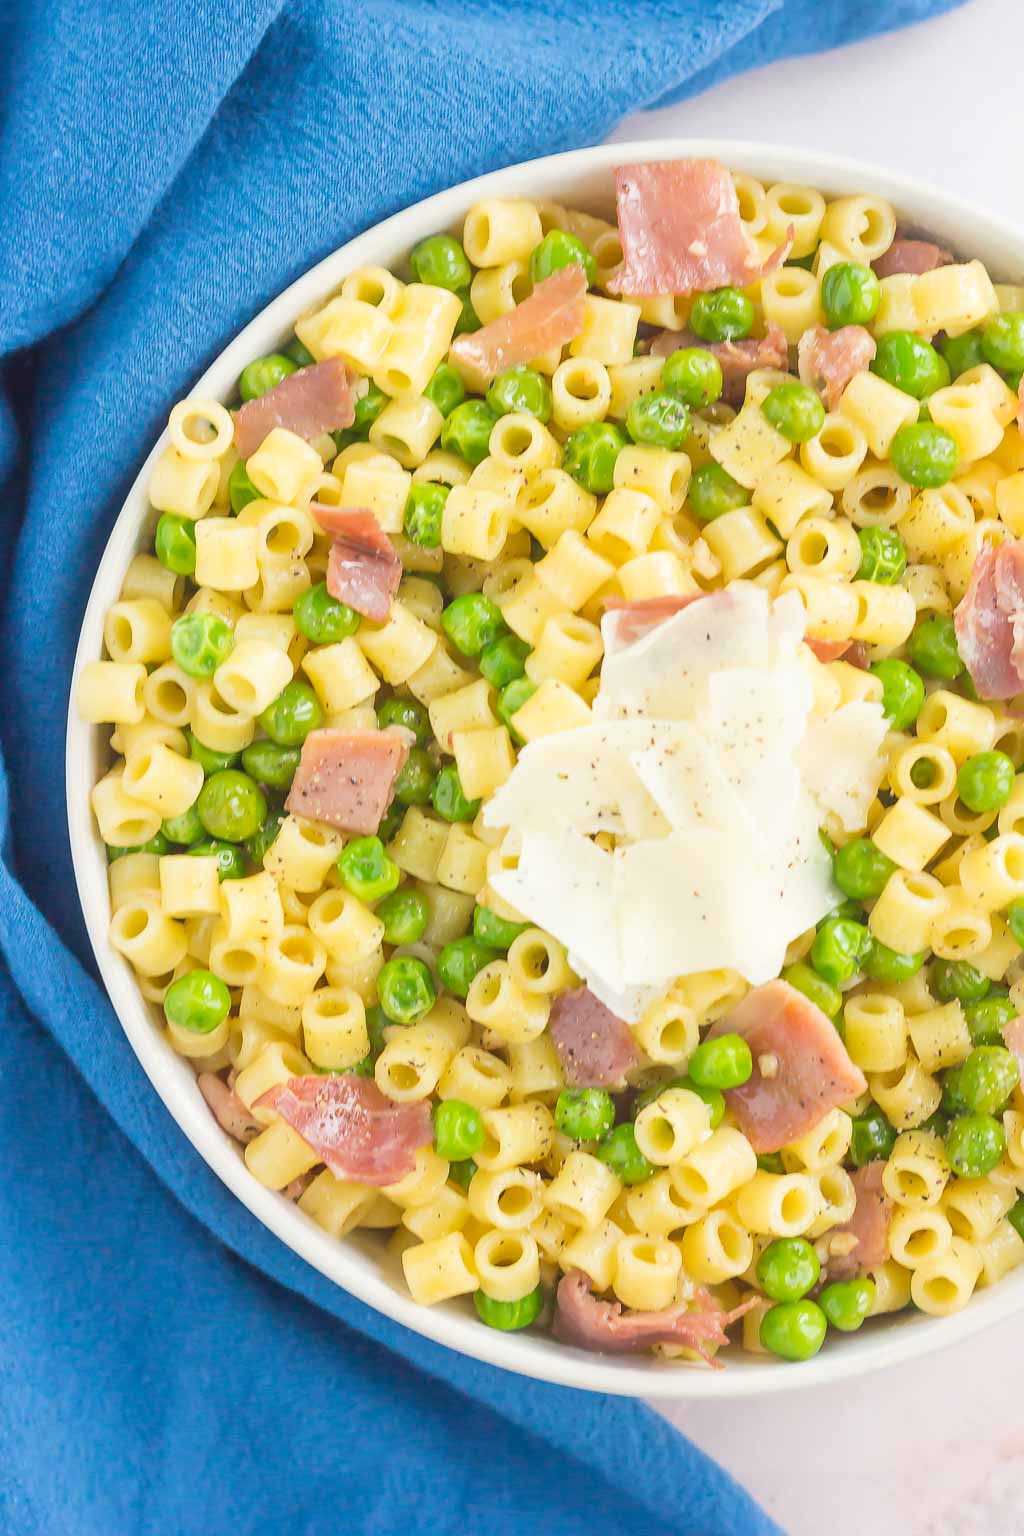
(531, 1355)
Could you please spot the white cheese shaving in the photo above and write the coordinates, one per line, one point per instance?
(705, 763)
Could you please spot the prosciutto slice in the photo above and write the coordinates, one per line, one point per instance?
(869, 1224)
(737, 359)
(809, 1070)
(582, 1319)
(316, 399)
(229, 1111)
(827, 650)
(356, 1131)
(990, 622)
(636, 617)
(681, 231)
(347, 778)
(828, 360)
(1013, 1037)
(912, 256)
(363, 569)
(551, 316)
(594, 1046)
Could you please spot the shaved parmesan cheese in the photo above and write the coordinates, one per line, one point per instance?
(705, 765)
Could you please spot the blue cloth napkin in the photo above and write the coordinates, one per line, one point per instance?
(166, 1365)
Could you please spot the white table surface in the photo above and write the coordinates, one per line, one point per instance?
(935, 1448)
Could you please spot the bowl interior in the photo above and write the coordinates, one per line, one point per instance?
(581, 179)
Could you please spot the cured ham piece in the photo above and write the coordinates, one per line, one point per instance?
(582, 1319)
(636, 617)
(810, 1070)
(363, 569)
(827, 650)
(1013, 1037)
(681, 231)
(737, 359)
(912, 256)
(989, 622)
(594, 1046)
(347, 778)
(229, 1111)
(355, 1130)
(869, 1224)
(828, 360)
(314, 400)
(551, 316)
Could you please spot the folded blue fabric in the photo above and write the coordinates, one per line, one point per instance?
(167, 1365)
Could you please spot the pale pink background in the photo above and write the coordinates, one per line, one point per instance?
(934, 1448)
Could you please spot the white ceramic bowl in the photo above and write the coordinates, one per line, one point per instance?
(580, 179)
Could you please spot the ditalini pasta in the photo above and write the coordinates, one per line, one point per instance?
(564, 745)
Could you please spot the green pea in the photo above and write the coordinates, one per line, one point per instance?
(377, 1026)
(952, 1098)
(231, 864)
(404, 915)
(511, 699)
(694, 375)
(321, 618)
(175, 544)
(1002, 341)
(503, 660)
(293, 714)
(405, 989)
(714, 491)
(157, 844)
(788, 1268)
(231, 806)
(770, 1162)
(270, 764)
(366, 870)
(846, 1303)
(854, 910)
(725, 1062)
(821, 992)
(424, 510)
(462, 1172)
(957, 979)
(861, 870)
(392, 822)
(849, 295)
(839, 946)
(409, 715)
(659, 419)
(794, 410)
(415, 780)
(1013, 380)
(471, 622)
(1016, 1216)
(441, 261)
(936, 1124)
(299, 354)
(962, 353)
(794, 1330)
(496, 931)
(520, 389)
(200, 642)
(264, 837)
(902, 692)
(621, 1154)
(368, 407)
(974, 1145)
(448, 797)
(883, 556)
(924, 455)
(362, 1068)
(932, 647)
(468, 320)
(985, 781)
(458, 1130)
(240, 488)
(590, 454)
(264, 374)
(987, 1078)
(467, 431)
(987, 1018)
(445, 388)
(559, 249)
(724, 315)
(584, 1114)
(872, 1138)
(509, 1315)
(186, 828)
(459, 962)
(198, 1002)
(910, 363)
(1015, 921)
(209, 761)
